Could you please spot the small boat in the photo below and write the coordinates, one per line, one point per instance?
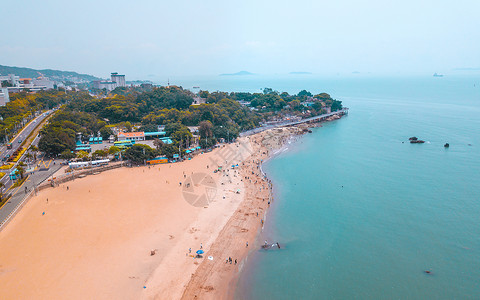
(437, 75)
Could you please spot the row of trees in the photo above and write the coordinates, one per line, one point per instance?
(24, 105)
(222, 116)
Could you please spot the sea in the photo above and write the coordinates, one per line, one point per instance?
(359, 212)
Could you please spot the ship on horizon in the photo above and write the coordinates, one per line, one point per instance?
(437, 75)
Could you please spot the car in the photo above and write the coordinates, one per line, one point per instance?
(19, 141)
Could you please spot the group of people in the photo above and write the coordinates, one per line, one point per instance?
(229, 260)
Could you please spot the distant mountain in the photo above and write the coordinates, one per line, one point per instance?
(241, 73)
(300, 73)
(52, 74)
(466, 69)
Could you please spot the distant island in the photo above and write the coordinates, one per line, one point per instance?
(301, 73)
(241, 73)
(52, 74)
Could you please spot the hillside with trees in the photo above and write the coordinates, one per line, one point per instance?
(56, 75)
(222, 116)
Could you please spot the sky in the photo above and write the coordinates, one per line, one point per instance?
(154, 38)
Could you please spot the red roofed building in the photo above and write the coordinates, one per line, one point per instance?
(131, 136)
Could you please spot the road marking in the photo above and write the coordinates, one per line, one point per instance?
(44, 164)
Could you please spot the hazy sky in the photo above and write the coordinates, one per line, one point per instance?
(171, 38)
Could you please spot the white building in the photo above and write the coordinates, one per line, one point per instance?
(43, 82)
(4, 97)
(119, 79)
(110, 85)
(131, 136)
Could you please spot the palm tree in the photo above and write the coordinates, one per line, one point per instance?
(20, 171)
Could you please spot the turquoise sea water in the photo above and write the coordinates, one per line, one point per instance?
(360, 212)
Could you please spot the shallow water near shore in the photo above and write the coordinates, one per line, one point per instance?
(361, 213)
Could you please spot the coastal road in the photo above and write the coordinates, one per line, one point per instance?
(40, 169)
(292, 123)
(44, 169)
(17, 141)
(22, 135)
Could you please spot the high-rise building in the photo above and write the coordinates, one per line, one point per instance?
(119, 79)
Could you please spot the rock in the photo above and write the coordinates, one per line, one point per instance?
(446, 145)
(416, 141)
(413, 138)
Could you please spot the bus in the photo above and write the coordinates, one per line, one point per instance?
(9, 146)
(123, 144)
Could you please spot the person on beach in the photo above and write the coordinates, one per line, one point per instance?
(235, 261)
(201, 246)
(247, 245)
(189, 250)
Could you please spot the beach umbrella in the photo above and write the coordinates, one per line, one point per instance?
(200, 252)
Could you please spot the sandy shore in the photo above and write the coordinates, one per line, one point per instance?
(94, 237)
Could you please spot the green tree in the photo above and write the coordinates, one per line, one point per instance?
(158, 144)
(106, 132)
(83, 155)
(67, 154)
(5, 83)
(205, 129)
(99, 153)
(20, 171)
(113, 150)
(336, 105)
(139, 153)
(128, 126)
(305, 93)
(169, 150)
(149, 128)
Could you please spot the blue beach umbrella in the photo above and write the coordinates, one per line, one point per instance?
(200, 252)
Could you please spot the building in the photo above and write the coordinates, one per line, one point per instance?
(43, 82)
(26, 83)
(115, 81)
(104, 84)
(131, 136)
(157, 160)
(95, 140)
(118, 79)
(153, 135)
(4, 97)
(10, 78)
